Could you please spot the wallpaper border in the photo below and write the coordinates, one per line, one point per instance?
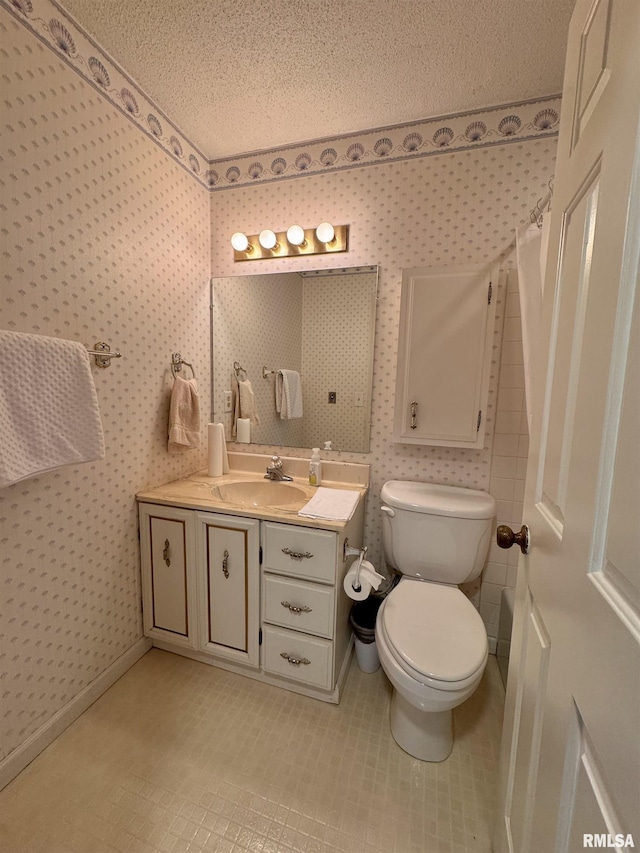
(520, 121)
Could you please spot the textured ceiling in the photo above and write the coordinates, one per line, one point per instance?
(242, 75)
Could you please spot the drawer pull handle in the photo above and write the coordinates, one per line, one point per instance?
(165, 553)
(294, 661)
(297, 555)
(225, 564)
(294, 609)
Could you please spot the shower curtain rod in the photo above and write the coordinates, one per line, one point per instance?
(543, 206)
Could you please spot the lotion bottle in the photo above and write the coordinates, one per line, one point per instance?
(315, 468)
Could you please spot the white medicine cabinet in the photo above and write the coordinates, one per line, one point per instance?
(444, 355)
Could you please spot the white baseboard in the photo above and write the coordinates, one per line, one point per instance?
(24, 754)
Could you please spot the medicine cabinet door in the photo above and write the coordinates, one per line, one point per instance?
(444, 355)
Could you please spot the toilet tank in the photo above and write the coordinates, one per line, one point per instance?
(437, 533)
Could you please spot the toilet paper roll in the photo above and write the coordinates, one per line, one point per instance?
(217, 451)
(243, 430)
(368, 579)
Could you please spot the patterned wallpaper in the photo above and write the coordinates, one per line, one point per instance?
(52, 25)
(107, 220)
(103, 238)
(458, 208)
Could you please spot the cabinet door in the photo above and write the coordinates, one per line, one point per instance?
(229, 576)
(444, 355)
(166, 547)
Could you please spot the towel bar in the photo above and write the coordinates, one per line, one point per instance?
(103, 354)
(176, 364)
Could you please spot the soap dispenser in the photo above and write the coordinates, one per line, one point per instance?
(315, 468)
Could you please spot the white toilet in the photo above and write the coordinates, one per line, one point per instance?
(430, 638)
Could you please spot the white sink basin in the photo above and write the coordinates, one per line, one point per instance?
(261, 493)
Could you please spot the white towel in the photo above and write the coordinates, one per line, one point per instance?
(184, 416)
(49, 415)
(244, 402)
(288, 394)
(333, 504)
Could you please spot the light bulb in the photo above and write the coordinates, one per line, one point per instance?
(325, 232)
(268, 239)
(295, 235)
(240, 242)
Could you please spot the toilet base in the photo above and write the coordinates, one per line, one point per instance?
(427, 735)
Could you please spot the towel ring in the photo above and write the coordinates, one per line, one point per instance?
(176, 365)
(238, 369)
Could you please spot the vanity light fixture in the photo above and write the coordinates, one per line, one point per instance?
(291, 243)
(295, 236)
(326, 233)
(240, 242)
(268, 240)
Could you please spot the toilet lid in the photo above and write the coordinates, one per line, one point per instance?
(435, 629)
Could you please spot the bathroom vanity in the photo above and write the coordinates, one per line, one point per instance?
(233, 576)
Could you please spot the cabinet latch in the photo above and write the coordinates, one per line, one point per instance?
(260, 637)
(260, 555)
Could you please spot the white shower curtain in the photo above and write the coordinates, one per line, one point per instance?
(531, 254)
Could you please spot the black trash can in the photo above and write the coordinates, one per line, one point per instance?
(363, 621)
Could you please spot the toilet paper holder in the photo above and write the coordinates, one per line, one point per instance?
(349, 551)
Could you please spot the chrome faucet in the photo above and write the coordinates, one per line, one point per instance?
(274, 471)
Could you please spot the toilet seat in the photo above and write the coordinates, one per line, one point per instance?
(434, 633)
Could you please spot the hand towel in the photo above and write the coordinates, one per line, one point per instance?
(248, 402)
(332, 504)
(49, 414)
(244, 402)
(184, 416)
(288, 394)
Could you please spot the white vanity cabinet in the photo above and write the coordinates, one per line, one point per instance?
(258, 597)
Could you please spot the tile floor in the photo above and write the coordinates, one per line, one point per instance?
(180, 756)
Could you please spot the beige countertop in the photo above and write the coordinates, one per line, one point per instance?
(199, 491)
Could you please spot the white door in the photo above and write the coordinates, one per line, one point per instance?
(570, 762)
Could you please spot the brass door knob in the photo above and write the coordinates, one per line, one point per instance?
(506, 537)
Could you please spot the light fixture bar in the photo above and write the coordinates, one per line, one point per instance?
(283, 249)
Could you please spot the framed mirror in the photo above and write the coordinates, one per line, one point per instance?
(320, 324)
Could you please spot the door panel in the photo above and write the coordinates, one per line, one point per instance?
(570, 762)
(169, 575)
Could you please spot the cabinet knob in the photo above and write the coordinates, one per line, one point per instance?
(165, 553)
(295, 609)
(225, 564)
(295, 661)
(506, 538)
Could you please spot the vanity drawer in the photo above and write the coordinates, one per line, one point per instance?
(299, 551)
(297, 656)
(299, 605)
